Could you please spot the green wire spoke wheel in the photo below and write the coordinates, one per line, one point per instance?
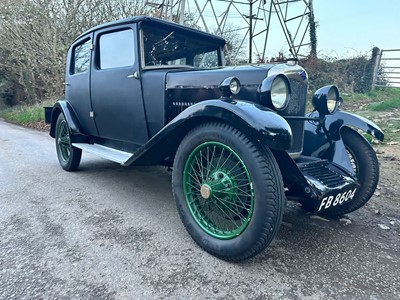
(218, 190)
(228, 191)
(69, 157)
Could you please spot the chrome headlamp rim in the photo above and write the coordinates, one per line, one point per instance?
(234, 86)
(278, 99)
(265, 91)
(230, 86)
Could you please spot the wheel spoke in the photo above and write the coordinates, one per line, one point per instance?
(229, 208)
(244, 194)
(234, 203)
(196, 188)
(64, 140)
(232, 170)
(195, 175)
(230, 153)
(200, 165)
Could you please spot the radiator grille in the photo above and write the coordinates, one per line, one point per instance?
(296, 107)
(179, 107)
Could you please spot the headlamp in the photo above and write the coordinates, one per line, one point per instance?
(280, 92)
(326, 100)
(275, 90)
(230, 86)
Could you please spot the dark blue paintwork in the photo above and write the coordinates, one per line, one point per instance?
(76, 134)
(324, 141)
(77, 90)
(257, 122)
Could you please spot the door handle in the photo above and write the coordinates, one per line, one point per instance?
(134, 75)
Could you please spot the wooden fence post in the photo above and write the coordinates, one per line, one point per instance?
(377, 63)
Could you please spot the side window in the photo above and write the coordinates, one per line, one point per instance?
(117, 49)
(81, 58)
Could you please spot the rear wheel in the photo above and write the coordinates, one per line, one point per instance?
(228, 191)
(69, 157)
(365, 166)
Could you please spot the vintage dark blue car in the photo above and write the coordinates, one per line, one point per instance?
(143, 91)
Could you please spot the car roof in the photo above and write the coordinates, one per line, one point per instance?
(157, 22)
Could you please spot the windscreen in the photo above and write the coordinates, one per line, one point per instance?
(164, 47)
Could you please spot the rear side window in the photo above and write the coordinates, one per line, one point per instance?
(117, 49)
(81, 58)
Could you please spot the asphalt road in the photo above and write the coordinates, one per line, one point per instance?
(109, 232)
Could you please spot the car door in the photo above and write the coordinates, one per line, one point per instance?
(77, 82)
(115, 86)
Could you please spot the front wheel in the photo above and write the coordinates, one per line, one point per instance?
(69, 157)
(229, 192)
(365, 166)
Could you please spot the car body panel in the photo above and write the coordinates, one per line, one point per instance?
(117, 95)
(77, 87)
(259, 123)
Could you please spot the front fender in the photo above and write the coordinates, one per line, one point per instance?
(334, 123)
(257, 122)
(62, 106)
(328, 144)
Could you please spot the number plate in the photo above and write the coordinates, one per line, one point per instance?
(338, 199)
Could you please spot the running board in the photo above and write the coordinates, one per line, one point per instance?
(106, 152)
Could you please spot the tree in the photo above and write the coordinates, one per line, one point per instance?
(234, 49)
(35, 36)
(313, 31)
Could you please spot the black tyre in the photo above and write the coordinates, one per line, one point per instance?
(69, 157)
(229, 192)
(366, 167)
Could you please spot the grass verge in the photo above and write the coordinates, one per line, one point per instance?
(25, 115)
(385, 105)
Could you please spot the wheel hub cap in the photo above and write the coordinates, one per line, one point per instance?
(205, 191)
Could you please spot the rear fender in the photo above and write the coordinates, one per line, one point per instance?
(65, 108)
(328, 144)
(257, 122)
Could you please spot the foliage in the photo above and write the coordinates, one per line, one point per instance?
(24, 114)
(234, 49)
(350, 74)
(34, 38)
(313, 32)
